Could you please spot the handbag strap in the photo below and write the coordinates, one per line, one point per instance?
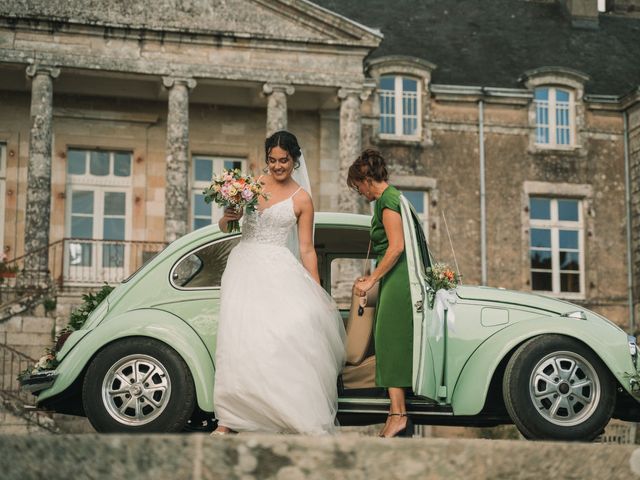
(364, 272)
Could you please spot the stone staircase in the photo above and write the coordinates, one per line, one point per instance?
(23, 340)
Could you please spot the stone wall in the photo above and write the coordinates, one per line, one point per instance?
(294, 457)
(634, 164)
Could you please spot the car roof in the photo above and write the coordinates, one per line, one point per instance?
(337, 219)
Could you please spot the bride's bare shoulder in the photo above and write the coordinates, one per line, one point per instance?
(303, 199)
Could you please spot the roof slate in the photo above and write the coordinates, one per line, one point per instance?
(491, 43)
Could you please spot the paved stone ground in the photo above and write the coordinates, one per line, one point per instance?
(346, 456)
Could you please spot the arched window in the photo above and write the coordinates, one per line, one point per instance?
(399, 106)
(554, 117)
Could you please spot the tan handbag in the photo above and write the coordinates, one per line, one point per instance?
(359, 326)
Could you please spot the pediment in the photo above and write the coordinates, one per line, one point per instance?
(292, 20)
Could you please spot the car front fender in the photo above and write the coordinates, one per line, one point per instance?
(608, 342)
(152, 323)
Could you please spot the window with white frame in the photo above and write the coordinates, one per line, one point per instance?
(204, 168)
(420, 201)
(556, 245)
(399, 106)
(3, 185)
(554, 117)
(98, 209)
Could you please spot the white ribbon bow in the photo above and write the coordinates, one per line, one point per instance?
(445, 300)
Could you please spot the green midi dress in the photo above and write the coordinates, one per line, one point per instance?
(394, 315)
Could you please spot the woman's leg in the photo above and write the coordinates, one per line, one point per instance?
(397, 419)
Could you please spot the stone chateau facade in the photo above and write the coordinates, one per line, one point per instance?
(113, 115)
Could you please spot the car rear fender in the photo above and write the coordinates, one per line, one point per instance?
(472, 386)
(152, 323)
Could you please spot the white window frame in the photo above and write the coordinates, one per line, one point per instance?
(99, 185)
(197, 187)
(3, 191)
(555, 226)
(398, 95)
(552, 108)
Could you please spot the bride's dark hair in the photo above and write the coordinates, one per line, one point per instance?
(286, 141)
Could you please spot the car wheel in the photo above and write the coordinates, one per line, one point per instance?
(138, 384)
(556, 388)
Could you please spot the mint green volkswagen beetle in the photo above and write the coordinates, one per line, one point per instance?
(144, 360)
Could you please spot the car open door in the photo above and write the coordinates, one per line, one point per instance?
(428, 342)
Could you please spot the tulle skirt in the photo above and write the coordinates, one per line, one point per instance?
(280, 345)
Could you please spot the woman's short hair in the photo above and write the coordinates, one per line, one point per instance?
(286, 141)
(370, 164)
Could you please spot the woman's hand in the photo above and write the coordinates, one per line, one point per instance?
(364, 284)
(230, 214)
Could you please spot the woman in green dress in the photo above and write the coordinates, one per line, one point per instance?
(394, 318)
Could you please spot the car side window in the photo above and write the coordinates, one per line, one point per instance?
(204, 267)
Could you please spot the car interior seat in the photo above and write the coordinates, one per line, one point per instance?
(360, 368)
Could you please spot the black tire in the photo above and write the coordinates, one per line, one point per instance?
(163, 403)
(546, 368)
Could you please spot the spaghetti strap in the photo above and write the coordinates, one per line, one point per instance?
(294, 193)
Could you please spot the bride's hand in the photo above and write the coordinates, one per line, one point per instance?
(363, 285)
(230, 214)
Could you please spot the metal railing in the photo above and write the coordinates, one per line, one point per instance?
(77, 262)
(12, 397)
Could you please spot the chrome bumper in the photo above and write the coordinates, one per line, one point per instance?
(38, 381)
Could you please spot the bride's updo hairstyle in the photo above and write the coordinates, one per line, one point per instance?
(369, 165)
(286, 141)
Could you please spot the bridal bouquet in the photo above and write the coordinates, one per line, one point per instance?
(233, 189)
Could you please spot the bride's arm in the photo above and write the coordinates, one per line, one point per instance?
(308, 255)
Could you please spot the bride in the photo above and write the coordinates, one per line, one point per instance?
(280, 344)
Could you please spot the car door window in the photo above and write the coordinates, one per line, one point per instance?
(203, 268)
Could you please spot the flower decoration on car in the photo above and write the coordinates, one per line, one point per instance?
(77, 319)
(442, 276)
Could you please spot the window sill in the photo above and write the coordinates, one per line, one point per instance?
(416, 141)
(561, 151)
(561, 296)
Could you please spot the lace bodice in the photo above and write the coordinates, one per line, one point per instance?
(271, 226)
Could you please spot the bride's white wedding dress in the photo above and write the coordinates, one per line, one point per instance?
(280, 343)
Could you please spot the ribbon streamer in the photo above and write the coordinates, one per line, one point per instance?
(445, 301)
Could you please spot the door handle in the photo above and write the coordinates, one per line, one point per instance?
(419, 306)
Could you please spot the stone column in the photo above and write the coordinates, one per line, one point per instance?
(38, 210)
(177, 183)
(276, 105)
(350, 145)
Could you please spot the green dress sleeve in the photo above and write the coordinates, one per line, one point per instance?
(390, 200)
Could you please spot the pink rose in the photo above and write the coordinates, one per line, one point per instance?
(247, 194)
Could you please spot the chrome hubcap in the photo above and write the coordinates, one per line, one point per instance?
(564, 388)
(136, 389)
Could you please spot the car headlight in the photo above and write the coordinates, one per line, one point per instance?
(576, 314)
(633, 349)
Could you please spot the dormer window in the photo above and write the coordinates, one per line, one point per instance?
(399, 106)
(557, 110)
(554, 117)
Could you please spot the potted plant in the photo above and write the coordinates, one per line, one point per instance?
(6, 269)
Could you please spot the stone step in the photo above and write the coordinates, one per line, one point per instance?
(344, 456)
